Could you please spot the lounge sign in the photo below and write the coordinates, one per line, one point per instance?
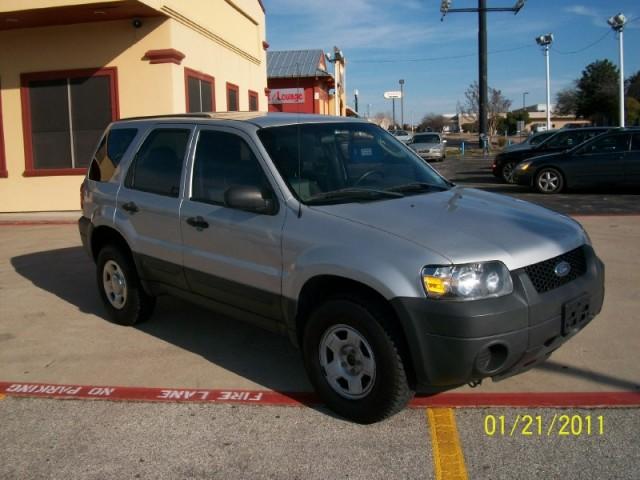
(279, 96)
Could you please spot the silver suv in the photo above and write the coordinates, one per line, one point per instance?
(389, 278)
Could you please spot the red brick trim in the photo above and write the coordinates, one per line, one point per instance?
(267, 91)
(233, 87)
(25, 79)
(167, 55)
(3, 160)
(200, 76)
(253, 94)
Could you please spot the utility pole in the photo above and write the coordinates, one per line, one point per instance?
(445, 8)
(524, 101)
(355, 95)
(393, 103)
(545, 42)
(401, 103)
(617, 22)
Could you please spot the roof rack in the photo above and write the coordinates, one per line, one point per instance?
(170, 115)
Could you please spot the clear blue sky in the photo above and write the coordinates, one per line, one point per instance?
(375, 35)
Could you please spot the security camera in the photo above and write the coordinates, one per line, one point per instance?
(136, 22)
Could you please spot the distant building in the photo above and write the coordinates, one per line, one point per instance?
(538, 118)
(299, 82)
(69, 68)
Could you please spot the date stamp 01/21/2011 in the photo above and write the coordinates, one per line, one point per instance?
(558, 424)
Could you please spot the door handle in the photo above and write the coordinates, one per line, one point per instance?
(130, 207)
(198, 222)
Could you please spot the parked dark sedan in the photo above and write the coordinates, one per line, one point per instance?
(609, 159)
(564, 139)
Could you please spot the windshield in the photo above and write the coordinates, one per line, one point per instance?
(347, 162)
(540, 137)
(426, 139)
(400, 133)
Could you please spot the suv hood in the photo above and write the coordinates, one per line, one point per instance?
(467, 225)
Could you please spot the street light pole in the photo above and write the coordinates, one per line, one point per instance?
(524, 102)
(545, 42)
(401, 103)
(445, 8)
(355, 94)
(393, 103)
(617, 22)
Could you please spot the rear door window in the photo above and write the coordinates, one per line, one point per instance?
(157, 167)
(110, 152)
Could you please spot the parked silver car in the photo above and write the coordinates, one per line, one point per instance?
(430, 146)
(389, 278)
(402, 135)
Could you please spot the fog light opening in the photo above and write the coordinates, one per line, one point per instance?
(492, 358)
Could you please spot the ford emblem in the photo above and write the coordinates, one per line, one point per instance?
(562, 269)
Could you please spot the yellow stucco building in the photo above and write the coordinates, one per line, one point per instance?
(69, 67)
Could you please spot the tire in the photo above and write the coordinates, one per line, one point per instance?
(548, 180)
(362, 346)
(507, 172)
(120, 289)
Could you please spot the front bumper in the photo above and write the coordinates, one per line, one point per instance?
(453, 343)
(431, 155)
(523, 178)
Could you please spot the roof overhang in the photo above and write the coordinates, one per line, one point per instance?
(42, 13)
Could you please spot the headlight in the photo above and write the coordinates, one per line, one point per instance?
(467, 282)
(523, 166)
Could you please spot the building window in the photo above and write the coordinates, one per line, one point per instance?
(3, 164)
(253, 101)
(200, 91)
(233, 97)
(64, 116)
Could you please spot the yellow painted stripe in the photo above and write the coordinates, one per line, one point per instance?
(448, 460)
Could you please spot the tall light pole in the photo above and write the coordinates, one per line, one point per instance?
(524, 101)
(355, 95)
(445, 8)
(545, 42)
(401, 103)
(617, 22)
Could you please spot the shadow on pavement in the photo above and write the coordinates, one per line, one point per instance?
(260, 356)
(602, 378)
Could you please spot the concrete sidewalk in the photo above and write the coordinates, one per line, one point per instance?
(54, 329)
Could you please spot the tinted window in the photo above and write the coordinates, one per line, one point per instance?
(232, 98)
(68, 116)
(571, 139)
(635, 142)
(158, 164)
(223, 160)
(608, 144)
(200, 95)
(110, 152)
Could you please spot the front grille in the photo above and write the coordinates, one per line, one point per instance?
(542, 274)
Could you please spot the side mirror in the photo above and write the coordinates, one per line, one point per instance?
(250, 199)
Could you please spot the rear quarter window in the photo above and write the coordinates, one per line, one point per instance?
(112, 148)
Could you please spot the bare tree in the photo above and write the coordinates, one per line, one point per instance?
(433, 121)
(498, 105)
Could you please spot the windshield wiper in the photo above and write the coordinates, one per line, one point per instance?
(352, 193)
(416, 187)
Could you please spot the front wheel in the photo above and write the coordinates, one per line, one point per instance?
(507, 172)
(354, 362)
(549, 180)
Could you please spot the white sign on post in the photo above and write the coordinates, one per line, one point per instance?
(279, 96)
(390, 95)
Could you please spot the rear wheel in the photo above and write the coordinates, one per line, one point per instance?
(120, 290)
(549, 180)
(354, 362)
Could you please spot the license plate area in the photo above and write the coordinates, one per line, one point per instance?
(575, 313)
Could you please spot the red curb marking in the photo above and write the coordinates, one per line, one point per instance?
(31, 223)
(269, 397)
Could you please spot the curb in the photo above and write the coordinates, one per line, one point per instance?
(273, 398)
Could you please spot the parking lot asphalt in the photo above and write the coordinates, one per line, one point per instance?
(53, 330)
